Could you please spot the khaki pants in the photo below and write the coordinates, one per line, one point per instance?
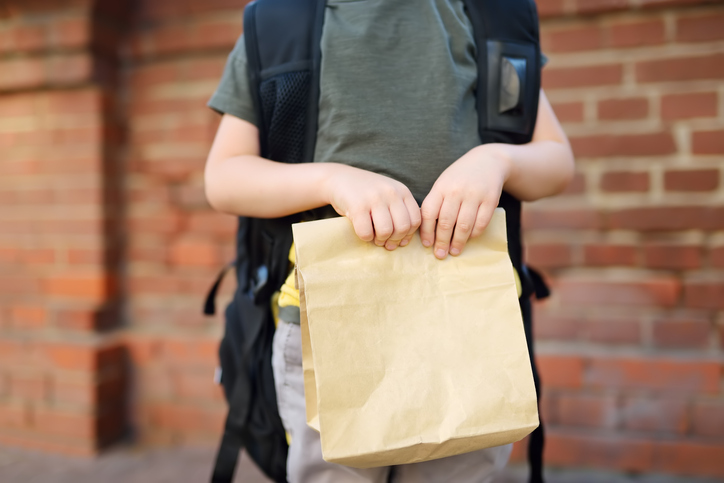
(305, 463)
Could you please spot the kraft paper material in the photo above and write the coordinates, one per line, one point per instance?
(407, 358)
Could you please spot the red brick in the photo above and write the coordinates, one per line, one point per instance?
(66, 424)
(89, 287)
(196, 386)
(681, 69)
(654, 414)
(560, 371)
(38, 256)
(556, 327)
(217, 34)
(606, 255)
(71, 356)
(682, 332)
(672, 3)
(600, 6)
(586, 410)
(213, 223)
(637, 34)
(612, 331)
(691, 180)
(144, 351)
(623, 109)
(29, 38)
(69, 69)
(623, 181)
(655, 291)
(596, 75)
(187, 418)
(701, 28)
(71, 32)
(549, 255)
(86, 257)
(707, 418)
(689, 105)
(80, 101)
(28, 316)
(13, 416)
(21, 74)
(81, 393)
(588, 37)
(668, 218)
(153, 285)
(32, 386)
(577, 185)
(603, 145)
(167, 223)
(708, 142)
(716, 256)
(169, 39)
(76, 319)
(669, 375)
(689, 458)
(191, 351)
(704, 294)
(550, 8)
(672, 257)
(194, 252)
(581, 218)
(623, 453)
(568, 111)
(4, 385)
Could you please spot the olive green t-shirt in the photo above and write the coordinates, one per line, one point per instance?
(397, 87)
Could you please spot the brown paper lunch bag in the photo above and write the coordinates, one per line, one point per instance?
(407, 358)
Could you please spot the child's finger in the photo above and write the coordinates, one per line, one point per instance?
(463, 227)
(445, 225)
(382, 224)
(414, 212)
(429, 212)
(362, 224)
(400, 224)
(485, 213)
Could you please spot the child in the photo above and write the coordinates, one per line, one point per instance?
(398, 150)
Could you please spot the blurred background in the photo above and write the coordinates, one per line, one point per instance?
(107, 245)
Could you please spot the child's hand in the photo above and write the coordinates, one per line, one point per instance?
(461, 202)
(380, 208)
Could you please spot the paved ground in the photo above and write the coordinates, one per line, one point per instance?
(192, 465)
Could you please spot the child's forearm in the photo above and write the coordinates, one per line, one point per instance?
(249, 185)
(537, 169)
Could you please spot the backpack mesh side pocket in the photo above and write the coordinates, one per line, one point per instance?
(284, 100)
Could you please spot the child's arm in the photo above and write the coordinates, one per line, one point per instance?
(463, 198)
(240, 182)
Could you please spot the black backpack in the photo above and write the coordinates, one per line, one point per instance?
(282, 40)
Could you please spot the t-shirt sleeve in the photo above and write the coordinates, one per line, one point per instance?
(233, 95)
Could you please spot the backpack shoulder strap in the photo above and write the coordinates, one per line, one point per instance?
(282, 40)
(509, 62)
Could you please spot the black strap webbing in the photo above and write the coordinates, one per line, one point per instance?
(210, 303)
(536, 442)
(226, 458)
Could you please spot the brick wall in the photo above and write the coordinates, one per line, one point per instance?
(107, 245)
(176, 51)
(62, 370)
(630, 344)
